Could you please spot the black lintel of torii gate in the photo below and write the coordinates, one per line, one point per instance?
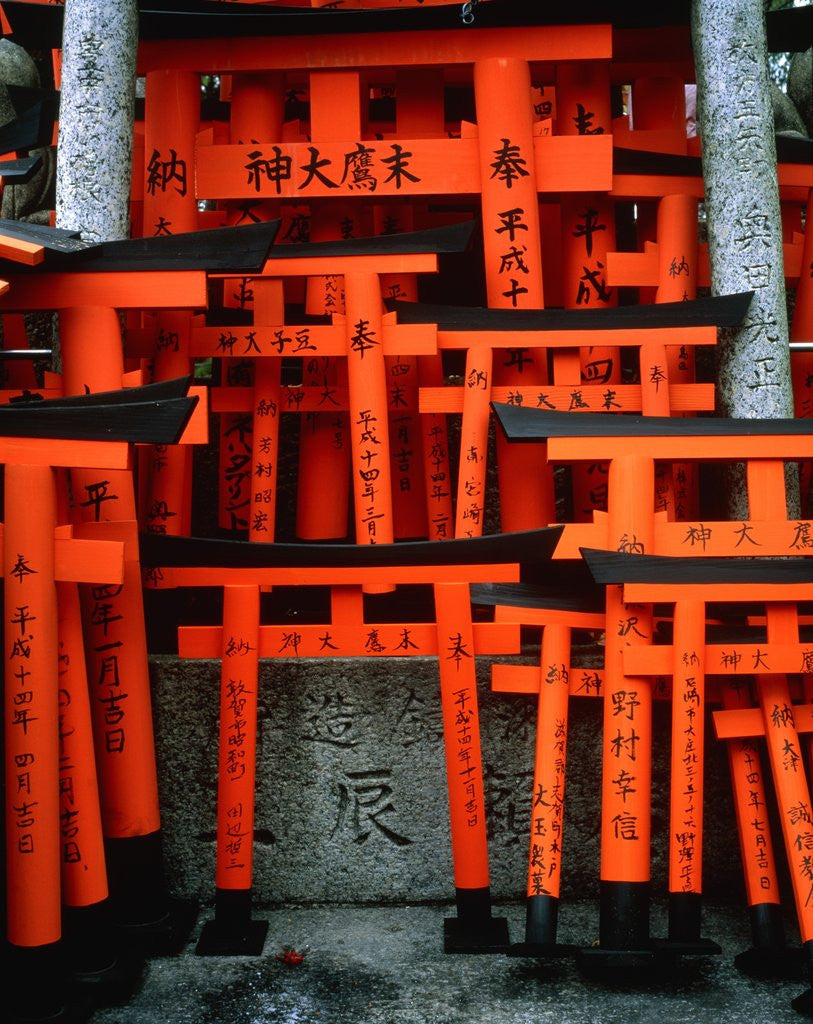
(529, 425)
(34, 124)
(239, 249)
(711, 311)
(526, 547)
(152, 414)
(18, 172)
(613, 567)
(789, 150)
(451, 238)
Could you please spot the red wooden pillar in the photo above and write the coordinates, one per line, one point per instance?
(172, 114)
(676, 491)
(512, 250)
(627, 732)
(325, 439)
(372, 489)
(547, 803)
(769, 950)
(687, 781)
(232, 931)
(93, 952)
(474, 929)
(33, 850)
(257, 113)
(117, 666)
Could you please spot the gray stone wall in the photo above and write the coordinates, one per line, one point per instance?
(351, 789)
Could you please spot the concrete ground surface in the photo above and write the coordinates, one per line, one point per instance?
(385, 965)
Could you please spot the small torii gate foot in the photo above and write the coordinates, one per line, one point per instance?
(147, 918)
(770, 956)
(541, 919)
(804, 1003)
(95, 963)
(474, 930)
(684, 928)
(624, 942)
(34, 997)
(232, 931)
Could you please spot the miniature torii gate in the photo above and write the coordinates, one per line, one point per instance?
(632, 526)
(362, 335)
(53, 824)
(649, 328)
(87, 302)
(449, 567)
(780, 584)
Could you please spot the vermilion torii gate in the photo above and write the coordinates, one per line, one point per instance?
(452, 637)
(87, 302)
(53, 824)
(780, 584)
(362, 335)
(631, 445)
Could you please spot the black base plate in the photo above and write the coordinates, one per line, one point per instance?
(246, 940)
(165, 936)
(488, 936)
(111, 985)
(685, 947)
(76, 1009)
(542, 950)
(804, 1003)
(598, 959)
(785, 963)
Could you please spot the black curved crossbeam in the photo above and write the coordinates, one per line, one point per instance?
(521, 424)
(32, 128)
(712, 311)
(452, 238)
(587, 598)
(178, 387)
(55, 241)
(613, 567)
(530, 546)
(18, 172)
(153, 414)
(242, 250)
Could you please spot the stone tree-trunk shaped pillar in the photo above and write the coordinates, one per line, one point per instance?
(95, 154)
(735, 123)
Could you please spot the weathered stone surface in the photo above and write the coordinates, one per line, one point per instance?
(786, 117)
(735, 122)
(32, 200)
(351, 791)
(800, 86)
(96, 118)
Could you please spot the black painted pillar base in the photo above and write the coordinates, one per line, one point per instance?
(541, 919)
(804, 1003)
(474, 930)
(94, 958)
(232, 932)
(770, 956)
(624, 942)
(146, 917)
(36, 989)
(685, 910)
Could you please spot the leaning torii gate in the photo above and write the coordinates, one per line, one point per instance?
(690, 583)
(631, 445)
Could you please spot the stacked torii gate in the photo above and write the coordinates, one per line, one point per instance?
(631, 445)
